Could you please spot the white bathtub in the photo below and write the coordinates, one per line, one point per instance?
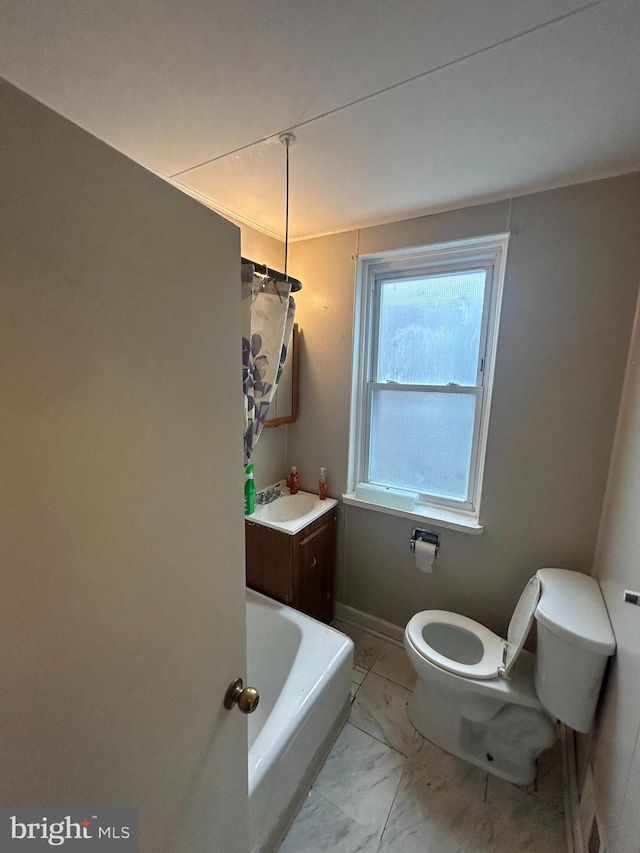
(302, 670)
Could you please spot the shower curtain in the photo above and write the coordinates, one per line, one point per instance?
(268, 317)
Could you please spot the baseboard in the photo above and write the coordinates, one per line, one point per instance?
(575, 840)
(363, 620)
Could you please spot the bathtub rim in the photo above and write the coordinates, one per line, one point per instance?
(303, 705)
(282, 825)
(312, 727)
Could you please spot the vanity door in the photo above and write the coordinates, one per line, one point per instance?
(314, 552)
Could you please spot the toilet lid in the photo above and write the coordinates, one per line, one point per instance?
(440, 636)
(520, 623)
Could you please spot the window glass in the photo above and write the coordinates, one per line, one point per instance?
(430, 328)
(425, 345)
(423, 441)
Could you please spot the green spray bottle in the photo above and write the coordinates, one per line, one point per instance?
(249, 491)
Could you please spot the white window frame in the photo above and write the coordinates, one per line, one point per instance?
(489, 253)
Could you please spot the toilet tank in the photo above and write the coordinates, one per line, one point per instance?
(574, 641)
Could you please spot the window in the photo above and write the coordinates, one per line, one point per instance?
(426, 337)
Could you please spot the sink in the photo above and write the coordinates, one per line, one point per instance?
(291, 513)
(289, 507)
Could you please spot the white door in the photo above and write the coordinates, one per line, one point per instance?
(121, 542)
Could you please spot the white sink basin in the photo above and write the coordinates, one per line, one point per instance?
(291, 513)
(290, 507)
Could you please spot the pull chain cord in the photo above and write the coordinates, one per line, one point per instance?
(288, 139)
(286, 221)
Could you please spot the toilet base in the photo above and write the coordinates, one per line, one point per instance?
(507, 744)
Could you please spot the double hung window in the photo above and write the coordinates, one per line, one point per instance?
(426, 336)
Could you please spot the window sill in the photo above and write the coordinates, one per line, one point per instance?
(438, 517)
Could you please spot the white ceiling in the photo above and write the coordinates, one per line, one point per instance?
(503, 96)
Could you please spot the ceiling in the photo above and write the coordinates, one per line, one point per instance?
(399, 108)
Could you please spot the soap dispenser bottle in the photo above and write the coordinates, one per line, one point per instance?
(322, 484)
(249, 491)
(294, 482)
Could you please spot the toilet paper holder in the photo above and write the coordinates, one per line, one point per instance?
(419, 534)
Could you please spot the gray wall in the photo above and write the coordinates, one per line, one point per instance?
(616, 742)
(570, 290)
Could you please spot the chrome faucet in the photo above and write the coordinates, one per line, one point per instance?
(270, 495)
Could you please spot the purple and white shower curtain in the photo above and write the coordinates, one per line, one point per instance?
(268, 318)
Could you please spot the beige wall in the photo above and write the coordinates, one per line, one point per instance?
(571, 284)
(120, 488)
(615, 748)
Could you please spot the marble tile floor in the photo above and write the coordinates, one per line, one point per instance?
(386, 789)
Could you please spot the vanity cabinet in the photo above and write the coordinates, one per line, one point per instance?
(297, 570)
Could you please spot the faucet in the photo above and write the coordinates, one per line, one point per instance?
(269, 495)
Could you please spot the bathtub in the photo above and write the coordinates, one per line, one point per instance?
(302, 670)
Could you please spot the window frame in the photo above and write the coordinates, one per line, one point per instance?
(488, 253)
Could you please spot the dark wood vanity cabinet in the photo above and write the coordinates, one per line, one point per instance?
(297, 570)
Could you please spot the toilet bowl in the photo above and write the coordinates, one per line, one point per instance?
(491, 702)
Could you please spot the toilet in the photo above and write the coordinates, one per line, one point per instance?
(493, 703)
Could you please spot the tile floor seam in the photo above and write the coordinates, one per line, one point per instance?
(395, 796)
(364, 731)
(330, 803)
(364, 826)
(386, 678)
(388, 746)
(348, 722)
(377, 634)
(547, 814)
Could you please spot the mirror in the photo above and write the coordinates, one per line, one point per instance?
(284, 406)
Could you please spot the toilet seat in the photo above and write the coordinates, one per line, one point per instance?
(493, 646)
(497, 656)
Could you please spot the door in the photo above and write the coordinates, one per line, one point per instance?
(122, 616)
(315, 560)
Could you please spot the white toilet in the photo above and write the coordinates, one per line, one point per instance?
(491, 702)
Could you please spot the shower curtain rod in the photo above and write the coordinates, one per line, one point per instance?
(262, 269)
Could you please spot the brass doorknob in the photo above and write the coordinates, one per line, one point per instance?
(247, 699)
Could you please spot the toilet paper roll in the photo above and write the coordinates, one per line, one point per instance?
(425, 553)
